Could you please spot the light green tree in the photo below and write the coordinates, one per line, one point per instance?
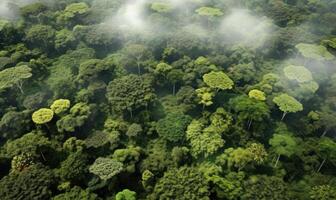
(312, 51)
(205, 96)
(283, 144)
(257, 94)
(287, 104)
(126, 194)
(298, 73)
(60, 105)
(218, 81)
(14, 76)
(106, 168)
(42, 116)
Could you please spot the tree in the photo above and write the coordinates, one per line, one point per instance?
(209, 12)
(326, 150)
(134, 130)
(323, 192)
(137, 53)
(14, 76)
(173, 126)
(283, 144)
(175, 76)
(21, 162)
(161, 7)
(205, 95)
(287, 104)
(90, 70)
(129, 157)
(316, 52)
(73, 14)
(106, 168)
(36, 182)
(33, 143)
(77, 193)
(218, 81)
(74, 167)
(42, 116)
(205, 136)
(259, 187)
(249, 110)
(60, 106)
(182, 183)
(42, 36)
(126, 194)
(129, 93)
(14, 124)
(298, 73)
(64, 40)
(325, 119)
(257, 94)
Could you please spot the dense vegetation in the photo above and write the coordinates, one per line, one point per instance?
(178, 100)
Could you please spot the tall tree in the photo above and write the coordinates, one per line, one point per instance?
(287, 104)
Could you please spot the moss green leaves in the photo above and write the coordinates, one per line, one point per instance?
(14, 76)
(59, 106)
(209, 12)
(218, 81)
(42, 116)
(257, 94)
(283, 144)
(173, 126)
(298, 73)
(317, 52)
(106, 168)
(287, 104)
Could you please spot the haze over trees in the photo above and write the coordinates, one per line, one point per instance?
(168, 100)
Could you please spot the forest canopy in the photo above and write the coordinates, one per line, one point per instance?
(168, 100)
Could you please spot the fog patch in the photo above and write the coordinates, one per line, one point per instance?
(242, 27)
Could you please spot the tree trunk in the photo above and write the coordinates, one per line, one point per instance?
(20, 85)
(283, 115)
(174, 87)
(276, 162)
(318, 170)
(139, 71)
(43, 156)
(131, 113)
(249, 124)
(324, 133)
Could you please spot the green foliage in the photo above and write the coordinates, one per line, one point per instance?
(74, 168)
(77, 193)
(209, 12)
(14, 76)
(173, 126)
(60, 106)
(129, 93)
(218, 81)
(161, 7)
(42, 35)
(42, 116)
(31, 143)
(287, 104)
(316, 52)
(36, 182)
(205, 95)
(183, 183)
(72, 13)
(129, 157)
(260, 187)
(323, 192)
(14, 124)
(79, 114)
(206, 137)
(257, 94)
(106, 168)
(126, 194)
(298, 73)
